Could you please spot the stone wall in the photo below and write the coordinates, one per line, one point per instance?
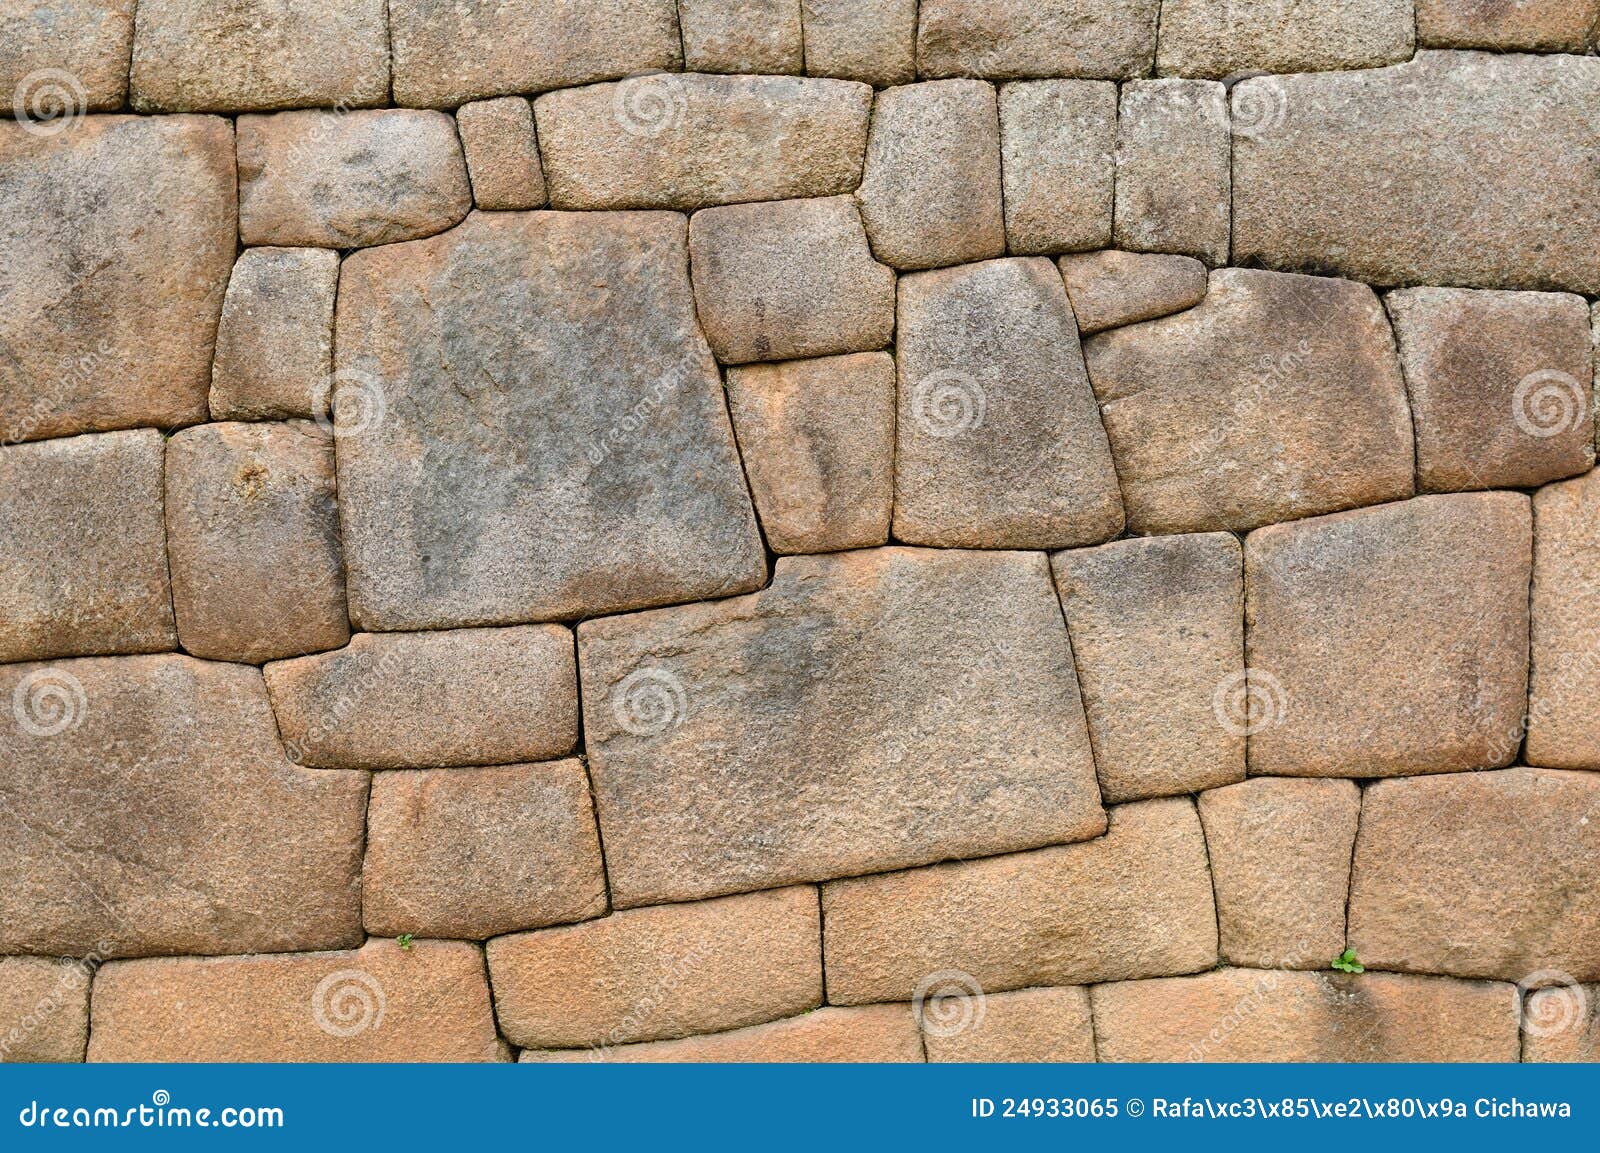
(799, 530)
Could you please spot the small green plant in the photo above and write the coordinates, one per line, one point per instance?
(404, 941)
(1346, 962)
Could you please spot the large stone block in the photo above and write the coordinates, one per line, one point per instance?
(544, 434)
(1217, 39)
(275, 341)
(1390, 640)
(871, 1033)
(874, 41)
(44, 1008)
(88, 40)
(741, 35)
(1058, 142)
(1508, 25)
(1110, 289)
(1005, 39)
(869, 710)
(1173, 169)
(1564, 672)
(1029, 1025)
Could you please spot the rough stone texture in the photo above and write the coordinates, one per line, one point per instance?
(1110, 289)
(1280, 863)
(872, 1033)
(1251, 1015)
(550, 438)
(448, 54)
(999, 439)
(1155, 627)
(475, 852)
(275, 339)
(1027, 1025)
(1480, 875)
(817, 438)
(1173, 170)
(1275, 397)
(689, 141)
(115, 248)
(1222, 38)
(1134, 903)
(869, 710)
(237, 55)
(162, 817)
(1510, 25)
(662, 972)
(1058, 145)
(44, 1009)
(83, 565)
(1500, 385)
(253, 541)
(1564, 674)
(874, 41)
(1457, 168)
(1562, 1024)
(419, 700)
(502, 153)
(349, 180)
(87, 39)
(791, 279)
(1005, 39)
(428, 1002)
(931, 192)
(1393, 640)
(741, 35)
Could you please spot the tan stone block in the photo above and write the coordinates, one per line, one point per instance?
(1027, 1025)
(1564, 673)
(475, 852)
(1134, 903)
(1173, 175)
(1058, 143)
(661, 972)
(817, 438)
(872, 1033)
(88, 40)
(44, 1008)
(1110, 289)
(1216, 39)
(1561, 1023)
(1391, 640)
(741, 35)
(502, 153)
(1157, 634)
(874, 41)
(275, 341)
(1007, 39)
(1508, 25)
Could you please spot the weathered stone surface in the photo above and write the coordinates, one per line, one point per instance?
(475, 852)
(1173, 170)
(1005, 39)
(427, 1002)
(1254, 1015)
(1275, 397)
(1280, 864)
(502, 153)
(253, 541)
(1134, 903)
(869, 40)
(869, 710)
(548, 438)
(741, 35)
(872, 1033)
(999, 440)
(445, 55)
(275, 340)
(83, 562)
(349, 180)
(1390, 640)
(1110, 289)
(418, 700)
(151, 810)
(1491, 874)
(1058, 155)
(236, 55)
(779, 281)
(666, 971)
(931, 191)
(1221, 38)
(689, 141)
(817, 438)
(44, 1009)
(1562, 1023)
(1155, 626)
(1564, 674)
(1459, 168)
(1500, 385)
(87, 39)
(1515, 25)
(1027, 1025)
(115, 247)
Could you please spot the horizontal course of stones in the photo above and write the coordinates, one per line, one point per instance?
(799, 530)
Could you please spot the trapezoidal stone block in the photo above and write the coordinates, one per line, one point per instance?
(1564, 673)
(868, 1034)
(1028, 1025)
(1058, 141)
(275, 341)
(1010, 39)
(1219, 39)
(1109, 289)
(1561, 1023)
(1515, 26)
(502, 153)
(65, 57)
(1173, 171)
(874, 41)
(44, 1008)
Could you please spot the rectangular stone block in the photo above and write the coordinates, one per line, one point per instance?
(871, 1033)
(1134, 903)
(44, 1008)
(1508, 25)
(1058, 142)
(1564, 672)
(874, 41)
(869, 710)
(1215, 39)
(741, 35)
(1173, 169)
(275, 341)
(1029, 1025)
(1008, 39)
(87, 39)
(502, 153)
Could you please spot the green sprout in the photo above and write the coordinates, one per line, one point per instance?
(1346, 962)
(404, 941)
